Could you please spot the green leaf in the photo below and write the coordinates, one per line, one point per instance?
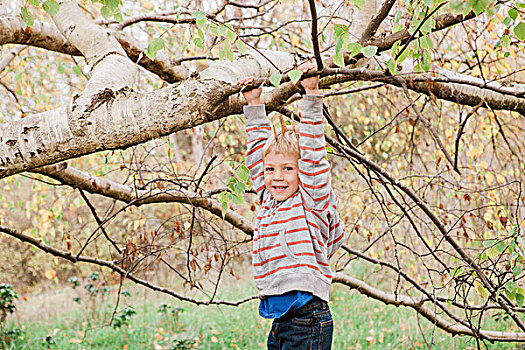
(154, 46)
(369, 51)
(35, 3)
(224, 208)
(51, 7)
(112, 4)
(240, 45)
(479, 5)
(118, 17)
(275, 79)
(500, 247)
(459, 6)
(488, 243)
(295, 75)
(519, 30)
(492, 253)
(222, 30)
(512, 245)
(359, 3)
(213, 28)
(105, 12)
(228, 53)
(516, 271)
(513, 13)
(240, 188)
(26, 18)
(243, 173)
(353, 49)
(339, 60)
(392, 66)
(398, 28)
(339, 29)
(230, 35)
(520, 298)
(202, 22)
(426, 43)
(338, 45)
(198, 15)
(198, 42)
(77, 70)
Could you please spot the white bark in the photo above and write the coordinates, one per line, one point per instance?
(46, 36)
(112, 120)
(361, 18)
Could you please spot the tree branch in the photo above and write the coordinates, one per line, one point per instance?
(315, 35)
(376, 21)
(429, 313)
(114, 267)
(110, 189)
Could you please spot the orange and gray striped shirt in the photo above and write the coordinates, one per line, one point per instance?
(294, 239)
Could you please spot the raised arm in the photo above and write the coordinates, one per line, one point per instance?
(314, 169)
(258, 129)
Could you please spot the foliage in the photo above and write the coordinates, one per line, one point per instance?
(433, 195)
(7, 300)
(124, 317)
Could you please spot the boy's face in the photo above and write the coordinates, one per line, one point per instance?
(281, 176)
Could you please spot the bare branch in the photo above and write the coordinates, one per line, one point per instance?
(67, 255)
(429, 313)
(376, 21)
(105, 187)
(315, 35)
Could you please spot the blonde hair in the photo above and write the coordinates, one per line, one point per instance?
(285, 141)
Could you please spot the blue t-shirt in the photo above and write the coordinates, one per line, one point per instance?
(275, 306)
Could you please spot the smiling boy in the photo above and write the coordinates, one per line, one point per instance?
(298, 228)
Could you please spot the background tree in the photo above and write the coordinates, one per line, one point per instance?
(427, 99)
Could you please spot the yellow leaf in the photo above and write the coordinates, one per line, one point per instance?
(50, 274)
(500, 178)
(482, 291)
(483, 165)
(489, 177)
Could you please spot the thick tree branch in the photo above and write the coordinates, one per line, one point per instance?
(46, 36)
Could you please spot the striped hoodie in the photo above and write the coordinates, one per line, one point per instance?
(294, 239)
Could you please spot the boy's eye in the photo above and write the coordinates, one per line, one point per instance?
(288, 168)
(268, 169)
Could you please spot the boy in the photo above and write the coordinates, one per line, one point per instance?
(298, 227)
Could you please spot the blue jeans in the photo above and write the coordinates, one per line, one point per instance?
(309, 327)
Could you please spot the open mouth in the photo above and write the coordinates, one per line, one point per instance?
(279, 188)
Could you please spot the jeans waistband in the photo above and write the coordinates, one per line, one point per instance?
(315, 303)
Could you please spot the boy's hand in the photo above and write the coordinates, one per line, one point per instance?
(253, 96)
(310, 84)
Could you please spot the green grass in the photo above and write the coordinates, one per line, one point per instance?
(56, 322)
